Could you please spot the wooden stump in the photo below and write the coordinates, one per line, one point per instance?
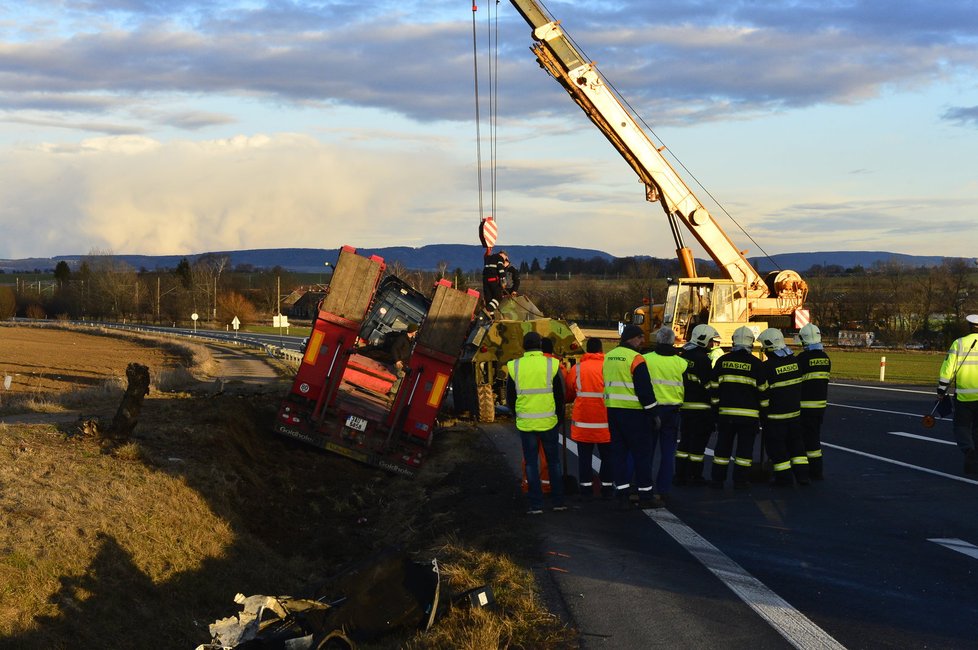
(127, 416)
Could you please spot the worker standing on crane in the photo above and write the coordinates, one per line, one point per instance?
(666, 370)
(536, 394)
(697, 420)
(815, 368)
(782, 417)
(495, 283)
(961, 367)
(589, 419)
(741, 394)
(629, 397)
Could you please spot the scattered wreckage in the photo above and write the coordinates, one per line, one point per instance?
(386, 593)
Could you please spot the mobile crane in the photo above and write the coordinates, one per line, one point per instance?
(742, 296)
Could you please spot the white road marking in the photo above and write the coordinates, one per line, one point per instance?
(956, 544)
(901, 464)
(865, 408)
(927, 438)
(794, 626)
(895, 390)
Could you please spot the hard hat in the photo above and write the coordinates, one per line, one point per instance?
(972, 318)
(703, 334)
(665, 336)
(772, 339)
(743, 336)
(810, 334)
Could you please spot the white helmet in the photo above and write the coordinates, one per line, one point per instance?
(810, 334)
(772, 339)
(743, 336)
(703, 334)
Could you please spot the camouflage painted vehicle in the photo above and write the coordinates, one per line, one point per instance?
(480, 378)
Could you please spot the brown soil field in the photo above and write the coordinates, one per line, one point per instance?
(50, 360)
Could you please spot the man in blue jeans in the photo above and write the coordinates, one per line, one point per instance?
(535, 391)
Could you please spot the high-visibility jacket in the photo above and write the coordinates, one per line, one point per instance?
(620, 391)
(715, 354)
(783, 387)
(740, 383)
(585, 386)
(963, 358)
(815, 369)
(666, 369)
(533, 377)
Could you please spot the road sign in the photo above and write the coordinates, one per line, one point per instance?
(194, 318)
(235, 323)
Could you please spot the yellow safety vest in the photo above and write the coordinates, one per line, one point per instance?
(963, 357)
(533, 375)
(667, 377)
(619, 389)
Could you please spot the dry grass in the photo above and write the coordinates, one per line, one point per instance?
(154, 537)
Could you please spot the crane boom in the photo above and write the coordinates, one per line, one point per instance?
(778, 295)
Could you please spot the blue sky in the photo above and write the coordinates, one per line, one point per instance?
(152, 127)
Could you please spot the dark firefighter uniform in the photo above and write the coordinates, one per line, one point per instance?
(629, 397)
(815, 367)
(696, 421)
(494, 271)
(739, 397)
(782, 419)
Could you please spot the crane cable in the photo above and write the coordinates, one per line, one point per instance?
(492, 30)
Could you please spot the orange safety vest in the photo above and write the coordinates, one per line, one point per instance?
(585, 386)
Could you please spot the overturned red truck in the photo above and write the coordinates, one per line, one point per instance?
(345, 402)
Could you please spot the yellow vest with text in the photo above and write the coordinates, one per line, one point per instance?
(619, 388)
(533, 376)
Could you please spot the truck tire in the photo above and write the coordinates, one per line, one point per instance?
(487, 403)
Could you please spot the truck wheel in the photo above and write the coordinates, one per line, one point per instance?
(487, 403)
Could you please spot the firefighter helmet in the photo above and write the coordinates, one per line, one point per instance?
(703, 334)
(743, 336)
(810, 334)
(772, 339)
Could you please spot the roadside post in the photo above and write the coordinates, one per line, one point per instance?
(194, 318)
(882, 368)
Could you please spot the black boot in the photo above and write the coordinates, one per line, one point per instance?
(681, 477)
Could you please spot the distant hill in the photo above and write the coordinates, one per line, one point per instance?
(465, 256)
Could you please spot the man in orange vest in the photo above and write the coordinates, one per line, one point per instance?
(589, 420)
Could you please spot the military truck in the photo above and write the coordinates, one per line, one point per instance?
(479, 382)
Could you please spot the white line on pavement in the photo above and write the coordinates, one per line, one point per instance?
(914, 435)
(901, 464)
(956, 544)
(895, 390)
(864, 408)
(794, 626)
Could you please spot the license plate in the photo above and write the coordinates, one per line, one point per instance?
(356, 423)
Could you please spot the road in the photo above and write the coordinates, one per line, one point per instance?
(882, 554)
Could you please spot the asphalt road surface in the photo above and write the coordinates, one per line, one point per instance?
(881, 554)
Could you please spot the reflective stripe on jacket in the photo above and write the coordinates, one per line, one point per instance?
(619, 386)
(666, 372)
(585, 386)
(533, 376)
(815, 371)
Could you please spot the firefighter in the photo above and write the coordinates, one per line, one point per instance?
(536, 394)
(815, 368)
(589, 420)
(740, 395)
(495, 268)
(666, 369)
(782, 417)
(629, 397)
(697, 420)
(961, 367)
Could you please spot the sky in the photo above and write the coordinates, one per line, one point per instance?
(166, 127)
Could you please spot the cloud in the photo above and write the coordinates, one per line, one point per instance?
(136, 194)
(962, 115)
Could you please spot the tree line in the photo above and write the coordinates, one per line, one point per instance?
(900, 303)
